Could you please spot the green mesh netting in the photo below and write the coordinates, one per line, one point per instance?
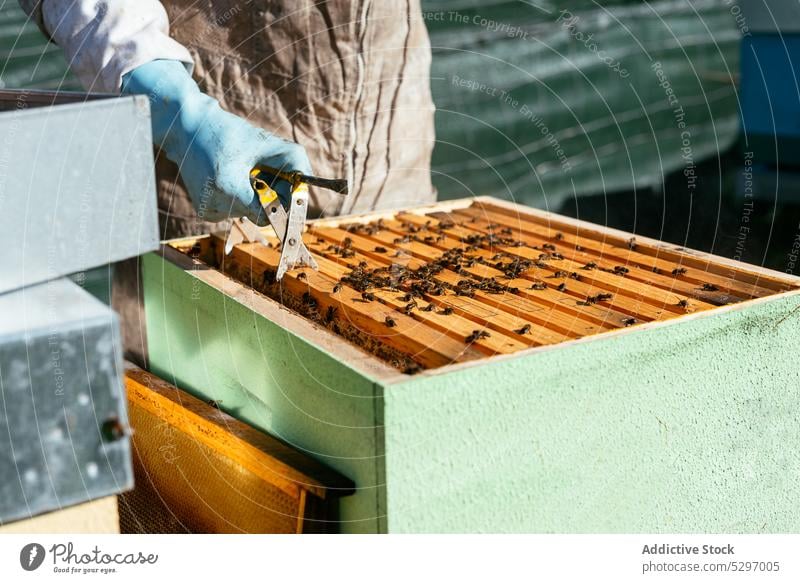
(536, 104)
(27, 60)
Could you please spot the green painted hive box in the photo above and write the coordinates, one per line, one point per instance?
(607, 384)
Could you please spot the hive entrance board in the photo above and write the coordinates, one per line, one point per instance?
(461, 281)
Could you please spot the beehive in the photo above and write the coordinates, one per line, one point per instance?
(477, 365)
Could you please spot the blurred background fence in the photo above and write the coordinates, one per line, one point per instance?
(541, 101)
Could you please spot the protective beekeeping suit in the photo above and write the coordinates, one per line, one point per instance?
(347, 80)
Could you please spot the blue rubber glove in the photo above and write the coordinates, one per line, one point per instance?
(215, 150)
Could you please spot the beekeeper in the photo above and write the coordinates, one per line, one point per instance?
(340, 87)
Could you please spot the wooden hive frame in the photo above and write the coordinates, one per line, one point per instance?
(200, 470)
(665, 306)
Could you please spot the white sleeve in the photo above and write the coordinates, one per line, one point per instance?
(105, 39)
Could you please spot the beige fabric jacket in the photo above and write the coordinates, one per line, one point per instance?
(347, 79)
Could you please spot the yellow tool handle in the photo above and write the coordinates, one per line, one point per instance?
(265, 194)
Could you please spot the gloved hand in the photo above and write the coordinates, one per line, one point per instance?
(215, 150)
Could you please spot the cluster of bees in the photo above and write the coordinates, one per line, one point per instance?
(417, 283)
